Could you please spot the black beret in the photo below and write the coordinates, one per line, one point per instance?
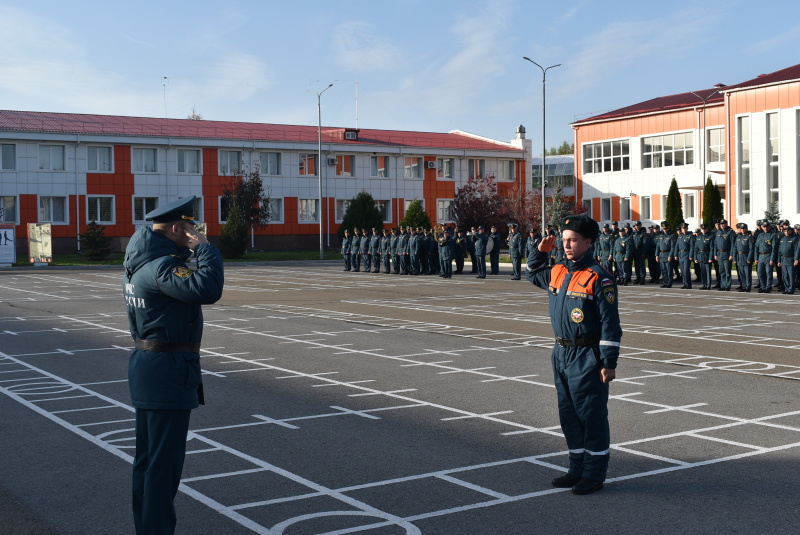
(583, 225)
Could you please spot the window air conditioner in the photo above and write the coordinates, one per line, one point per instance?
(331, 160)
(430, 165)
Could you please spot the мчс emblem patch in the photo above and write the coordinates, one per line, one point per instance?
(577, 315)
(182, 272)
(609, 295)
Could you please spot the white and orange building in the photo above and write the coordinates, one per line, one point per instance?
(70, 169)
(745, 137)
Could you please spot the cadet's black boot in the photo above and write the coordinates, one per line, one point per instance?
(586, 486)
(566, 481)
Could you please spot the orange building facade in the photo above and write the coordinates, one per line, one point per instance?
(68, 170)
(743, 137)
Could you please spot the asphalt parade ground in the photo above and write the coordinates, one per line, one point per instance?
(385, 404)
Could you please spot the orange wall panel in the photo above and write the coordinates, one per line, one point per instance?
(615, 202)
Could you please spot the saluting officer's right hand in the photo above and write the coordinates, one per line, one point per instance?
(547, 244)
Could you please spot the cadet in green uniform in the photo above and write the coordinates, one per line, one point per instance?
(355, 251)
(788, 255)
(766, 256)
(163, 298)
(684, 245)
(704, 255)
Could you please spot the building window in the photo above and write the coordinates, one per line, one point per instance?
(644, 207)
(744, 164)
(189, 162)
(606, 157)
(51, 158)
(270, 163)
(506, 171)
(379, 166)
(444, 211)
(144, 161)
(230, 162)
(341, 208)
(8, 209)
(477, 168)
(308, 165)
(275, 210)
(197, 209)
(384, 207)
(688, 205)
(667, 151)
(625, 208)
(100, 209)
(308, 210)
(52, 209)
(412, 167)
(345, 165)
(445, 168)
(716, 145)
(98, 159)
(142, 206)
(587, 207)
(224, 207)
(773, 171)
(605, 209)
(8, 157)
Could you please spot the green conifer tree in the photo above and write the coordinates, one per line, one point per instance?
(674, 215)
(415, 216)
(361, 213)
(233, 235)
(96, 245)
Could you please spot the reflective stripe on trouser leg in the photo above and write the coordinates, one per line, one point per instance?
(582, 410)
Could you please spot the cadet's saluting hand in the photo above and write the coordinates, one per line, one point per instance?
(547, 244)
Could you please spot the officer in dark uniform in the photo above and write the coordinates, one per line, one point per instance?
(724, 244)
(365, 254)
(665, 252)
(386, 251)
(355, 251)
(604, 250)
(623, 251)
(788, 255)
(585, 317)
(446, 253)
(533, 241)
(481, 240)
(653, 265)
(460, 251)
(347, 243)
(745, 255)
(704, 255)
(514, 241)
(684, 245)
(471, 248)
(375, 250)
(405, 260)
(394, 250)
(640, 246)
(494, 256)
(164, 298)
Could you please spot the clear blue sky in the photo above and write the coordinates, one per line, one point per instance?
(428, 65)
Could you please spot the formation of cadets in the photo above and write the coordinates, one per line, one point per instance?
(630, 252)
(418, 251)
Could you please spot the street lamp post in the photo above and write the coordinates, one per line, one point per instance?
(319, 163)
(544, 168)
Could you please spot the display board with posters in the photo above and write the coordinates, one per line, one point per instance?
(8, 249)
(40, 243)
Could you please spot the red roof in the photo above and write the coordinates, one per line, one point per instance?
(668, 103)
(72, 123)
(689, 100)
(784, 75)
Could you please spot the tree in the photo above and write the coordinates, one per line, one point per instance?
(477, 203)
(233, 235)
(415, 216)
(194, 116)
(361, 213)
(772, 214)
(562, 150)
(97, 245)
(246, 194)
(523, 206)
(674, 215)
(560, 207)
(712, 204)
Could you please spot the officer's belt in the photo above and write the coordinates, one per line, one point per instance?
(721, 251)
(577, 342)
(167, 347)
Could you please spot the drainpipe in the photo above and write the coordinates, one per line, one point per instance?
(77, 196)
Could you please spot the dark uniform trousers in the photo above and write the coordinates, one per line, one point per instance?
(160, 451)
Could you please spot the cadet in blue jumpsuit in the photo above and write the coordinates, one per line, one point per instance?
(585, 318)
(163, 299)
